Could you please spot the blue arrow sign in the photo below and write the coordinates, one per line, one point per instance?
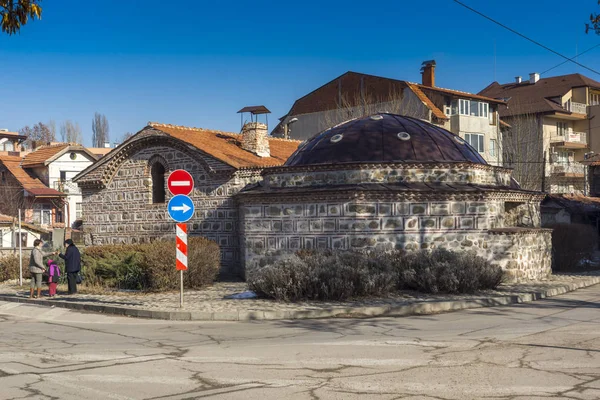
(181, 208)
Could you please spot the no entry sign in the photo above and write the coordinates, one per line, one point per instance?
(180, 182)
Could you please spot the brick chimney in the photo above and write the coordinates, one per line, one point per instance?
(428, 73)
(254, 139)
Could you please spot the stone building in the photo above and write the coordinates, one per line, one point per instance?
(125, 196)
(379, 182)
(392, 182)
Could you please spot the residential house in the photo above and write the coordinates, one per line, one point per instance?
(9, 234)
(551, 129)
(10, 141)
(125, 192)
(471, 116)
(56, 165)
(21, 190)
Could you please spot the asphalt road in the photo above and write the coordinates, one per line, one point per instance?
(548, 349)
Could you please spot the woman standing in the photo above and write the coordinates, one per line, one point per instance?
(36, 267)
(72, 259)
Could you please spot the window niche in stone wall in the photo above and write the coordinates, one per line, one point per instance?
(520, 214)
(158, 182)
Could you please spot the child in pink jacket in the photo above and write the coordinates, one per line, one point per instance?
(53, 274)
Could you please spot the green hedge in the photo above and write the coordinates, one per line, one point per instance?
(150, 266)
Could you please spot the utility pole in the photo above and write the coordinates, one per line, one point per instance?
(20, 252)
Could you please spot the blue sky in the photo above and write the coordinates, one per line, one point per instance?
(196, 63)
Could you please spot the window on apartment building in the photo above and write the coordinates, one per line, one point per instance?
(454, 108)
(594, 99)
(158, 183)
(475, 140)
(492, 117)
(474, 108)
(564, 157)
(493, 145)
(78, 212)
(63, 176)
(561, 128)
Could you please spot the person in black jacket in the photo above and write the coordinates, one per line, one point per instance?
(72, 259)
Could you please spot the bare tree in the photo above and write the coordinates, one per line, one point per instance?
(38, 134)
(523, 150)
(70, 132)
(403, 102)
(537, 164)
(100, 130)
(52, 128)
(12, 199)
(126, 136)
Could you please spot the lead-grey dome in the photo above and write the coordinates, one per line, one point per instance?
(384, 138)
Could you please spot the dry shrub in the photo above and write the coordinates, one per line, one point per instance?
(572, 243)
(323, 275)
(444, 271)
(342, 275)
(150, 266)
(9, 267)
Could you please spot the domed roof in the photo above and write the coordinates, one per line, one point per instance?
(384, 138)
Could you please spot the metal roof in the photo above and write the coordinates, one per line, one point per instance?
(255, 110)
(384, 138)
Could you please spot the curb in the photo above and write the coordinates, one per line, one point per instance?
(419, 308)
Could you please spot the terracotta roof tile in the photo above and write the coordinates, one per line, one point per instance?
(29, 183)
(423, 97)
(41, 155)
(226, 146)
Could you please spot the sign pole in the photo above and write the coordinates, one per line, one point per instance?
(180, 209)
(181, 293)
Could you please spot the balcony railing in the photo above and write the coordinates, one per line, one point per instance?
(66, 187)
(567, 169)
(579, 108)
(569, 137)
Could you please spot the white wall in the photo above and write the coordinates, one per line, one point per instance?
(71, 168)
(7, 236)
(463, 124)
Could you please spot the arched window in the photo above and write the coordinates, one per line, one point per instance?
(158, 183)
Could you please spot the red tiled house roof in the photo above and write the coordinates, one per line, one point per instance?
(32, 185)
(222, 146)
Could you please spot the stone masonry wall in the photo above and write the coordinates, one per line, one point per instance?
(278, 229)
(302, 177)
(123, 212)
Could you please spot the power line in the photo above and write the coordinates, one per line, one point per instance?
(525, 37)
(571, 59)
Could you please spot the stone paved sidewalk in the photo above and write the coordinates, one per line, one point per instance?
(210, 304)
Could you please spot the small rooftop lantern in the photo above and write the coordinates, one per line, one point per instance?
(254, 111)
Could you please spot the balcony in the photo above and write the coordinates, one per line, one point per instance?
(68, 187)
(569, 140)
(578, 108)
(568, 169)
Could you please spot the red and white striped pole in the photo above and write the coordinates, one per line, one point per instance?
(181, 257)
